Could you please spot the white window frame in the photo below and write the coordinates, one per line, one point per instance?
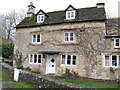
(69, 37)
(71, 60)
(115, 43)
(110, 61)
(40, 18)
(36, 35)
(33, 59)
(70, 12)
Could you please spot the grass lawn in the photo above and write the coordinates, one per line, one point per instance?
(91, 84)
(18, 85)
(4, 75)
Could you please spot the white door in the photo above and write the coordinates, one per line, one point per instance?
(50, 64)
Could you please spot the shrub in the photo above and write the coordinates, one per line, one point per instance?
(20, 67)
(70, 74)
(36, 72)
(7, 50)
(27, 68)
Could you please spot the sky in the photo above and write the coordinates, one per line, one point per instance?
(111, 6)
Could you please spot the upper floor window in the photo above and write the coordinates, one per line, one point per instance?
(40, 18)
(36, 38)
(69, 59)
(111, 60)
(35, 58)
(70, 14)
(69, 37)
(116, 42)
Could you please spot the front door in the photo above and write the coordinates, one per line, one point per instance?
(50, 64)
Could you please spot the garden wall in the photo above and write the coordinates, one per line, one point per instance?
(38, 80)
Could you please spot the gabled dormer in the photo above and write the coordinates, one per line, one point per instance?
(70, 12)
(41, 16)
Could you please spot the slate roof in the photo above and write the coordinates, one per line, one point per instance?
(113, 27)
(58, 17)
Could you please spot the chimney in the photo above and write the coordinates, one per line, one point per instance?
(100, 5)
(31, 10)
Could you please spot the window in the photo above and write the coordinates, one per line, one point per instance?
(36, 38)
(116, 42)
(70, 14)
(63, 59)
(35, 58)
(69, 59)
(68, 37)
(111, 60)
(107, 60)
(40, 18)
(114, 60)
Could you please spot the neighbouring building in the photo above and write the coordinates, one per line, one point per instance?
(81, 40)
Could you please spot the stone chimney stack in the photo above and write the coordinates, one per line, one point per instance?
(100, 5)
(31, 10)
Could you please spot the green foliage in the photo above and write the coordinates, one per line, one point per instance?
(7, 50)
(113, 70)
(91, 84)
(27, 68)
(36, 72)
(70, 74)
(4, 75)
(20, 67)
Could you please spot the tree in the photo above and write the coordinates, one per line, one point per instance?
(9, 21)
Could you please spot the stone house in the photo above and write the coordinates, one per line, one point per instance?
(76, 39)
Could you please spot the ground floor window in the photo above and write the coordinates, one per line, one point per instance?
(111, 60)
(35, 58)
(69, 59)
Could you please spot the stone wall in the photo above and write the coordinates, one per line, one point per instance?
(39, 81)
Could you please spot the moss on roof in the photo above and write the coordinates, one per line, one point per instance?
(57, 17)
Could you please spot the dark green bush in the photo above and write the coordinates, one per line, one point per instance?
(36, 72)
(20, 67)
(70, 74)
(7, 50)
(27, 68)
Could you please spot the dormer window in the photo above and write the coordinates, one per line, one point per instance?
(41, 15)
(40, 18)
(70, 14)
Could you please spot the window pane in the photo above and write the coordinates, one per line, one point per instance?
(107, 60)
(39, 58)
(63, 59)
(35, 58)
(34, 38)
(114, 60)
(38, 38)
(71, 36)
(68, 14)
(74, 60)
(38, 18)
(42, 18)
(66, 36)
(31, 58)
(72, 14)
(69, 59)
(119, 60)
(117, 42)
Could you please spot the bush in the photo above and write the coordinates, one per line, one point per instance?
(20, 67)
(27, 68)
(36, 72)
(7, 50)
(70, 74)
